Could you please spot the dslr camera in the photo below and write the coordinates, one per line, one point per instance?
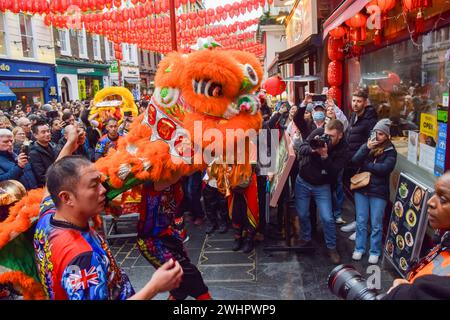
(320, 141)
(348, 284)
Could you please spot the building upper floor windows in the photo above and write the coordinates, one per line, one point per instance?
(26, 33)
(82, 46)
(64, 40)
(96, 46)
(2, 35)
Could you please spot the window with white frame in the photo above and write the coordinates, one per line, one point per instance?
(96, 45)
(64, 40)
(82, 46)
(130, 52)
(26, 34)
(2, 35)
(109, 50)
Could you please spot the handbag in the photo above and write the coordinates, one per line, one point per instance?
(361, 179)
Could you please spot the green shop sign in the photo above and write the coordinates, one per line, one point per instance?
(114, 68)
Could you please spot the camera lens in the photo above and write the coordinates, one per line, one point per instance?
(347, 283)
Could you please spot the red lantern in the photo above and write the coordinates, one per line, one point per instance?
(334, 74)
(338, 32)
(388, 84)
(384, 5)
(411, 5)
(335, 49)
(336, 94)
(359, 20)
(274, 86)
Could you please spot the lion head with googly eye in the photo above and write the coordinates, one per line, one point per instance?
(212, 87)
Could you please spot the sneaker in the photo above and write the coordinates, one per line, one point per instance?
(353, 236)
(334, 256)
(340, 220)
(350, 227)
(373, 259)
(357, 255)
(211, 228)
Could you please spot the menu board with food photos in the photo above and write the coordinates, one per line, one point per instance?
(407, 225)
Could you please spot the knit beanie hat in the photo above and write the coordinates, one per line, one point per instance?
(384, 125)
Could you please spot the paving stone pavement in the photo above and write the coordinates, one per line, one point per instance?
(256, 276)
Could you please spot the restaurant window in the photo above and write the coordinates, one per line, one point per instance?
(26, 34)
(2, 35)
(408, 83)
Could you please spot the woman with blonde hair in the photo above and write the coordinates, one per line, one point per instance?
(20, 138)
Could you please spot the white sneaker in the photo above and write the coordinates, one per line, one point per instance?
(373, 259)
(340, 221)
(357, 255)
(353, 236)
(350, 227)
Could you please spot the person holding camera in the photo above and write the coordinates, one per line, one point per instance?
(376, 159)
(311, 104)
(13, 166)
(322, 156)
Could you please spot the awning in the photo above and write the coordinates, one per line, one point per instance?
(301, 78)
(132, 80)
(6, 94)
(344, 12)
(301, 50)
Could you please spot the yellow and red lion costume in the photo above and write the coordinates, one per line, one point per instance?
(213, 88)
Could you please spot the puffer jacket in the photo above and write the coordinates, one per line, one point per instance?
(9, 170)
(379, 167)
(359, 129)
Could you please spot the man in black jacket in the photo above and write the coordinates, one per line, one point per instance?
(362, 121)
(319, 167)
(43, 152)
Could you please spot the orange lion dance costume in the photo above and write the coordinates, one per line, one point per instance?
(203, 92)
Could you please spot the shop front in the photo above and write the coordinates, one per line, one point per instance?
(132, 80)
(80, 80)
(130, 77)
(31, 82)
(304, 54)
(406, 74)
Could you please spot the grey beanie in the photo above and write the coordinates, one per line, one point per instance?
(384, 125)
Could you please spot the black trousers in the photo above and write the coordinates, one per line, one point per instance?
(216, 207)
(160, 250)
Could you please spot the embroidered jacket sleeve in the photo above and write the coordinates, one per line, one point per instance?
(85, 278)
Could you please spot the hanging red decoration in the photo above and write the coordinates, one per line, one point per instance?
(335, 48)
(358, 23)
(334, 74)
(338, 32)
(274, 85)
(411, 5)
(336, 94)
(388, 84)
